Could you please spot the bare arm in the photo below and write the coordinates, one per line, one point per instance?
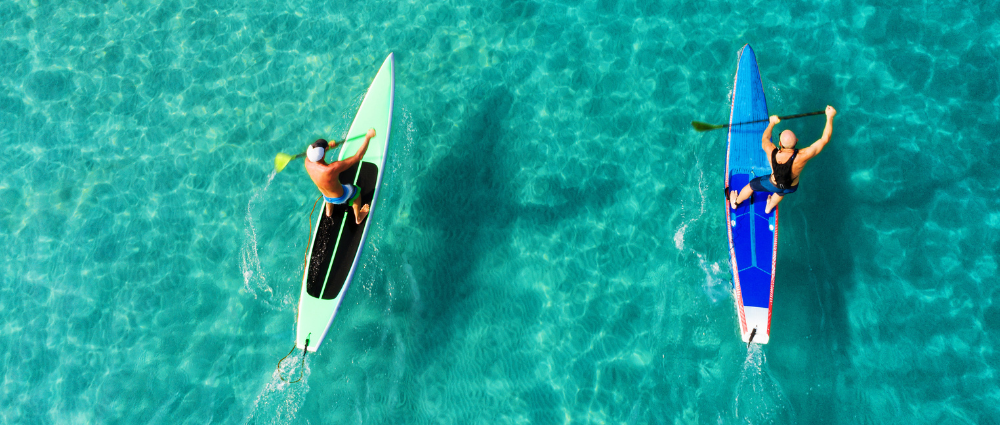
(361, 151)
(765, 140)
(817, 147)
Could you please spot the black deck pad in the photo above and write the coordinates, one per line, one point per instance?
(350, 237)
(321, 255)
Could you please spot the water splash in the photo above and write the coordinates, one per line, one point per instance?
(279, 402)
(254, 278)
(759, 398)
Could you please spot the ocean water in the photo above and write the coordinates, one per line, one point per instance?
(549, 247)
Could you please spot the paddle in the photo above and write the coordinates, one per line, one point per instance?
(282, 159)
(700, 126)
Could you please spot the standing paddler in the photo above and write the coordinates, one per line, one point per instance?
(786, 164)
(327, 177)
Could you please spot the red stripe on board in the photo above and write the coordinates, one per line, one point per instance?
(774, 263)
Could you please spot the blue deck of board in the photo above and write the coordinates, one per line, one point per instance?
(753, 234)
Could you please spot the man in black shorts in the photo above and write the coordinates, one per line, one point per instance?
(786, 164)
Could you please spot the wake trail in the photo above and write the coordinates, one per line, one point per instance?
(254, 278)
(759, 398)
(279, 401)
(714, 285)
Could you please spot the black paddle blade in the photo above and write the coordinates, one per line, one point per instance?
(701, 126)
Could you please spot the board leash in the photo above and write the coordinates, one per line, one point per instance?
(305, 263)
(302, 373)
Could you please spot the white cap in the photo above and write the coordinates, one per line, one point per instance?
(315, 153)
(317, 150)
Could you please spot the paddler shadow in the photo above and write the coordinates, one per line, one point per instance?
(468, 202)
(816, 272)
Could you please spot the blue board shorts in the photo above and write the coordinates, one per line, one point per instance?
(350, 192)
(763, 184)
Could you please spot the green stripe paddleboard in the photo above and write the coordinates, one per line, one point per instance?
(337, 242)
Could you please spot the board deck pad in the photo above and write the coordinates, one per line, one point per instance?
(753, 234)
(328, 271)
(350, 236)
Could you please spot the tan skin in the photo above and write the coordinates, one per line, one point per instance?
(327, 178)
(785, 151)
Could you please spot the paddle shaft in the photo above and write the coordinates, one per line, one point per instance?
(787, 117)
(700, 126)
(335, 143)
(364, 134)
(282, 159)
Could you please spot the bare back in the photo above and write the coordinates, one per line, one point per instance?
(327, 177)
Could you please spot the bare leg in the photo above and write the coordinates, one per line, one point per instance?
(772, 202)
(735, 199)
(359, 212)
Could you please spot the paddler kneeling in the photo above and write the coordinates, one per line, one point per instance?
(786, 164)
(327, 177)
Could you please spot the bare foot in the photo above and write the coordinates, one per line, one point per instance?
(732, 199)
(362, 214)
(771, 203)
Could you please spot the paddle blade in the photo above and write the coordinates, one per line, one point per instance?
(281, 160)
(700, 126)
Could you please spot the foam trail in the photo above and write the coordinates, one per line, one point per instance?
(398, 370)
(759, 398)
(279, 402)
(254, 279)
(399, 165)
(714, 285)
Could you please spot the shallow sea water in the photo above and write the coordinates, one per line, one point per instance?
(550, 244)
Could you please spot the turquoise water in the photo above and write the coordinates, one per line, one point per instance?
(550, 246)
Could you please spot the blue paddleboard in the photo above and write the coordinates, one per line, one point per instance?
(753, 234)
